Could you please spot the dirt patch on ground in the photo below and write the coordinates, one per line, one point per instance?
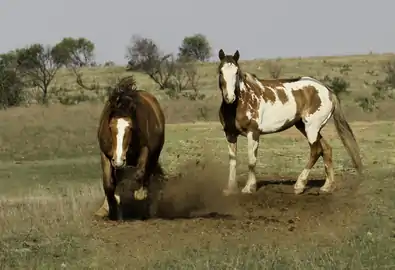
(194, 213)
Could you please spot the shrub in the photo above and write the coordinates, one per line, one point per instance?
(338, 85)
(275, 68)
(11, 87)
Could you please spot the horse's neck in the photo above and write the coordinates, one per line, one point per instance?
(229, 110)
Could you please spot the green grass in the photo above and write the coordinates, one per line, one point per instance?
(51, 187)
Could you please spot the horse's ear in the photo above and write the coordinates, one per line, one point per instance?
(221, 54)
(236, 56)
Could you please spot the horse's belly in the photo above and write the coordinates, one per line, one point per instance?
(275, 118)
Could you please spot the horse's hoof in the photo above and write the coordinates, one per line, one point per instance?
(141, 194)
(101, 213)
(326, 189)
(249, 189)
(299, 190)
(230, 191)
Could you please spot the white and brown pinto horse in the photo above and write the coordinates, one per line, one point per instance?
(252, 107)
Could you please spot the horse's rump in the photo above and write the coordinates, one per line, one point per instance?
(150, 120)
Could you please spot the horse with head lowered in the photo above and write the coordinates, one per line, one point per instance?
(131, 133)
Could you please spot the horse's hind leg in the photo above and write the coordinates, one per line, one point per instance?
(315, 152)
(327, 156)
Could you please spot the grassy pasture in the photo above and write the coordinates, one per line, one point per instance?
(50, 188)
(361, 71)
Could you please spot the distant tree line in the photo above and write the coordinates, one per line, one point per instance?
(36, 65)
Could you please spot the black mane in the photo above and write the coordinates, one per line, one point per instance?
(123, 97)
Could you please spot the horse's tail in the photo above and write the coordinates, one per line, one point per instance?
(346, 134)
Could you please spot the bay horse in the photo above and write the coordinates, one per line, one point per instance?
(131, 133)
(252, 107)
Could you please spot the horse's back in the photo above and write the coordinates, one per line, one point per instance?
(286, 101)
(151, 120)
(153, 110)
(314, 100)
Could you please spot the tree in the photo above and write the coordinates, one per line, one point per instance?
(144, 56)
(74, 52)
(186, 77)
(196, 47)
(11, 85)
(38, 65)
(170, 73)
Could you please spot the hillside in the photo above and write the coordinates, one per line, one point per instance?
(361, 71)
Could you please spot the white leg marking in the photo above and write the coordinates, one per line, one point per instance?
(118, 199)
(119, 209)
(250, 186)
(328, 185)
(232, 183)
(122, 124)
(103, 210)
(300, 184)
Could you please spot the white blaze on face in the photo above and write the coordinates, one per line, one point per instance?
(229, 71)
(121, 126)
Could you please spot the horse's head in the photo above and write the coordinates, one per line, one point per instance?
(121, 127)
(229, 75)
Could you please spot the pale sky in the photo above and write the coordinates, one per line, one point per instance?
(259, 29)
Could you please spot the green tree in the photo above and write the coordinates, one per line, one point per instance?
(196, 47)
(38, 65)
(167, 71)
(11, 85)
(74, 52)
(145, 56)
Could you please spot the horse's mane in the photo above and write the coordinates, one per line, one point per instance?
(123, 97)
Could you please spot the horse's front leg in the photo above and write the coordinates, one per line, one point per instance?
(253, 144)
(232, 148)
(111, 204)
(141, 175)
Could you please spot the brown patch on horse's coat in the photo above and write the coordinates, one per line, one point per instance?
(252, 82)
(307, 100)
(281, 95)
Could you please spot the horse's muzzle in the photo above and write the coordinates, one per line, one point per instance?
(229, 100)
(117, 164)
